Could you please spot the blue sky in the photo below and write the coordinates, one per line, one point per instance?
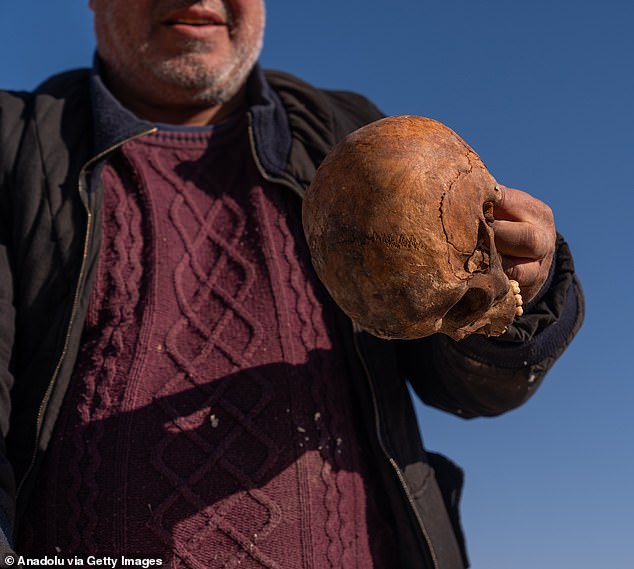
(543, 92)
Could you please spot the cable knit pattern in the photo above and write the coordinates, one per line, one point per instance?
(208, 422)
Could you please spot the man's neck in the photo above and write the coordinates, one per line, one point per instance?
(185, 116)
(191, 114)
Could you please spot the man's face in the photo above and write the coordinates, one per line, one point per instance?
(179, 52)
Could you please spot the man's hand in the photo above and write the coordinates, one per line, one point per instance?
(525, 236)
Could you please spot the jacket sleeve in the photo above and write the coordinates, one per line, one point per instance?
(482, 376)
(6, 381)
(11, 107)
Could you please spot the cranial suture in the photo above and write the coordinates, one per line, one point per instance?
(398, 220)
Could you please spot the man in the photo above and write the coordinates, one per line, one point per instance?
(175, 383)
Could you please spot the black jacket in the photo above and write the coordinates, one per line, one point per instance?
(51, 142)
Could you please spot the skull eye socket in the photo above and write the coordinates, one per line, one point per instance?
(469, 308)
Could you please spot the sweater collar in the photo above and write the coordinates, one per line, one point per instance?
(114, 123)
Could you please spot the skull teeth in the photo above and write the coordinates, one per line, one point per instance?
(515, 286)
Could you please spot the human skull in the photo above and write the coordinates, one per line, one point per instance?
(398, 222)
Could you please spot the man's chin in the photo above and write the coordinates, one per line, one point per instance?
(198, 81)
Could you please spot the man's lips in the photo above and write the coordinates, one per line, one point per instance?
(195, 17)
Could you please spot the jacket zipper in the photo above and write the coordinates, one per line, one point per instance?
(294, 187)
(398, 472)
(73, 314)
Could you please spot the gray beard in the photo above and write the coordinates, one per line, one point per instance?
(194, 83)
(206, 87)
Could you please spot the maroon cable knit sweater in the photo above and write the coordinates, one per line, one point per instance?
(209, 418)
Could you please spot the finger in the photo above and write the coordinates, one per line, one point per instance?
(516, 205)
(531, 276)
(521, 239)
(526, 272)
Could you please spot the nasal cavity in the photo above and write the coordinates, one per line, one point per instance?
(470, 307)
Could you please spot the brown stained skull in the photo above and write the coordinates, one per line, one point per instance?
(398, 221)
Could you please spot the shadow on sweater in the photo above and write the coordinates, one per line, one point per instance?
(225, 471)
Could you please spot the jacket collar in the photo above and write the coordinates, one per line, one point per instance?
(114, 124)
(271, 129)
